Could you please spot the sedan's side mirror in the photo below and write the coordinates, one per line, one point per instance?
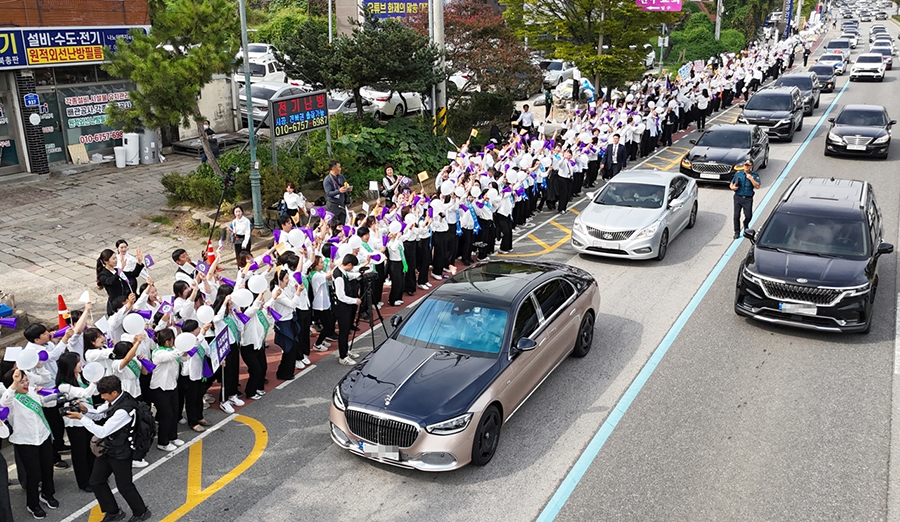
(693, 142)
(892, 122)
(885, 248)
(524, 345)
(741, 105)
(750, 234)
(830, 120)
(396, 320)
(590, 195)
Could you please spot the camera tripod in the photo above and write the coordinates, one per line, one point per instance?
(369, 304)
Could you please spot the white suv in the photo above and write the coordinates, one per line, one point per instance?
(868, 65)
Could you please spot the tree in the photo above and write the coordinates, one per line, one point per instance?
(305, 54)
(604, 38)
(471, 27)
(191, 40)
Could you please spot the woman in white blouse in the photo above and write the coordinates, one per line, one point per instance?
(295, 202)
(76, 389)
(240, 233)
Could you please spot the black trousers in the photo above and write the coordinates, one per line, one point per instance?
(563, 186)
(339, 211)
(504, 229)
(82, 456)
(423, 260)
(6, 514)
(745, 204)
(238, 248)
(666, 135)
(57, 428)
(439, 259)
(327, 319)
(378, 284)
(465, 246)
(303, 319)
(38, 462)
(452, 245)
(193, 400)
(396, 270)
(344, 315)
(408, 283)
(167, 415)
(121, 468)
(230, 373)
(286, 367)
(256, 372)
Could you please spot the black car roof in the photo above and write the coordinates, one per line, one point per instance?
(721, 127)
(831, 196)
(499, 282)
(861, 107)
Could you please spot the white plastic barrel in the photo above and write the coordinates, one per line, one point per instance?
(120, 153)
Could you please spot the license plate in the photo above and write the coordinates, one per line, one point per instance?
(608, 244)
(709, 176)
(380, 451)
(794, 308)
(856, 147)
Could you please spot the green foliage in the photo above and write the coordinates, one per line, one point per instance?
(732, 40)
(196, 187)
(478, 110)
(282, 24)
(698, 20)
(697, 44)
(692, 7)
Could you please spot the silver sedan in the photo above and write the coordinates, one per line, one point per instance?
(636, 215)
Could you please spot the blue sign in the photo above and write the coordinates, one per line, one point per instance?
(42, 47)
(31, 100)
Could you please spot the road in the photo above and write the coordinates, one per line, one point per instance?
(729, 419)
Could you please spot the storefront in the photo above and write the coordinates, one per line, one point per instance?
(54, 95)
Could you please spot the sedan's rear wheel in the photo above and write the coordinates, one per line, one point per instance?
(399, 110)
(585, 336)
(663, 245)
(487, 437)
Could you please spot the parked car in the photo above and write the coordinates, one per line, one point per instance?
(257, 50)
(262, 69)
(861, 130)
(825, 74)
(556, 71)
(436, 393)
(261, 93)
(814, 262)
(636, 215)
(868, 65)
(393, 104)
(778, 110)
(722, 150)
(808, 83)
(853, 38)
(342, 102)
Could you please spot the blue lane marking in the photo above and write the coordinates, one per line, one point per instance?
(562, 494)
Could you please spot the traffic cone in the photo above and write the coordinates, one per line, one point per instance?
(210, 253)
(63, 311)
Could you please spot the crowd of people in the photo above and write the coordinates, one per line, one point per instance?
(327, 268)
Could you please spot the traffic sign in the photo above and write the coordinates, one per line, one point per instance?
(31, 100)
(663, 41)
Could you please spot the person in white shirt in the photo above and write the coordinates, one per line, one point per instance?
(225, 319)
(75, 390)
(164, 388)
(240, 233)
(44, 376)
(526, 120)
(283, 302)
(31, 441)
(127, 263)
(253, 343)
(186, 270)
(295, 202)
(345, 291)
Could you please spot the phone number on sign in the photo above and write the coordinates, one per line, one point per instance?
(300, 126)
(101, 136)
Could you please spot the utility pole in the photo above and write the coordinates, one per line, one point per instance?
(255, 192)
(720, 8)
(440, 96)
(431, 39)
(330, 38)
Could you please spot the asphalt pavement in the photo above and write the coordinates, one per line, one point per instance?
(736, 421)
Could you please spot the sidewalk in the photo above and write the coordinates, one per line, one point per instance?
(52, 232)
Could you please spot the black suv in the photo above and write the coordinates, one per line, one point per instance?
(814, 263)
(810, 89)
(777, 110)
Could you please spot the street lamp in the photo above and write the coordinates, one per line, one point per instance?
(255, 192)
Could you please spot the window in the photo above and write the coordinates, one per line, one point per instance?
(455, 326)
(526, 320)
(678, 186)
(552, 296)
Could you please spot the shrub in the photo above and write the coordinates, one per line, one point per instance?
(732, 40)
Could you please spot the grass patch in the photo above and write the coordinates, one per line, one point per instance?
(162, 220)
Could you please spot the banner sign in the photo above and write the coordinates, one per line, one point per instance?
(218, 352)
(299, 113)
(388, 9)
(43, 47)
(659, 5)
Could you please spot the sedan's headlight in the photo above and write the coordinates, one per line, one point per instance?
(784, 121)
(686, 163)
(750, 276)
(337, 399)
(834, 137)
(648, 231)
(860, 290)
(579, 226)
(883, 139)
(449, 427)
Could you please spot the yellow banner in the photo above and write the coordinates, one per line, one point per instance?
(75, 54)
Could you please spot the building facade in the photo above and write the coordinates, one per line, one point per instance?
(53, 93)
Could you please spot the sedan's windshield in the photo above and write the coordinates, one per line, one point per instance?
(861, 118)
(726, 139)
(822, 70)
(769, 103)
(551, 66)
(455, 326)
(830, 58)
(803, 82)
(868, 59)
(815, 235)
(259, 93)
(638, 195)
(256, 69)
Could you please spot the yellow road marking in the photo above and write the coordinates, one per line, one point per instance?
(545, 248)
(564, 229)
(195, 492)
(572, 210)
(540, 243)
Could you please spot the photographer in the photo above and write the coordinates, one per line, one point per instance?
(76, 393)
(337, 192)
(111, 422)
(345, 292)
(31, 441)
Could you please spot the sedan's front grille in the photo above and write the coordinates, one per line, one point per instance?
(714, 168)
(762, 123)
(380, 430)
(610, 236)
(857, 140)
(806, 294)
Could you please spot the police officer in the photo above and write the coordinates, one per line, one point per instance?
(744, 184)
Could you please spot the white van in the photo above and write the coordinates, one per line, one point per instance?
(262, 69)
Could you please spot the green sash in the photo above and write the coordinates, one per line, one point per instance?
(134, 367)
(233, 329)
(34, 406)
(83, 385)
(403, 259)
(264, 322)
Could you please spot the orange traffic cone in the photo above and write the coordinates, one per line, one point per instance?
(210, 253)
(63, 311)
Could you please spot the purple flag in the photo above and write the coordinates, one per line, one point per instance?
(148, 261)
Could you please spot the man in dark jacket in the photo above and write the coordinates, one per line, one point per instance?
(614, 159)
(337, 193)
(112, 423)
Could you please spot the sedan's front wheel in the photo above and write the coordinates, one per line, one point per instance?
(585, 336)
(487, 437)
(692, 220)
(663, 245)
